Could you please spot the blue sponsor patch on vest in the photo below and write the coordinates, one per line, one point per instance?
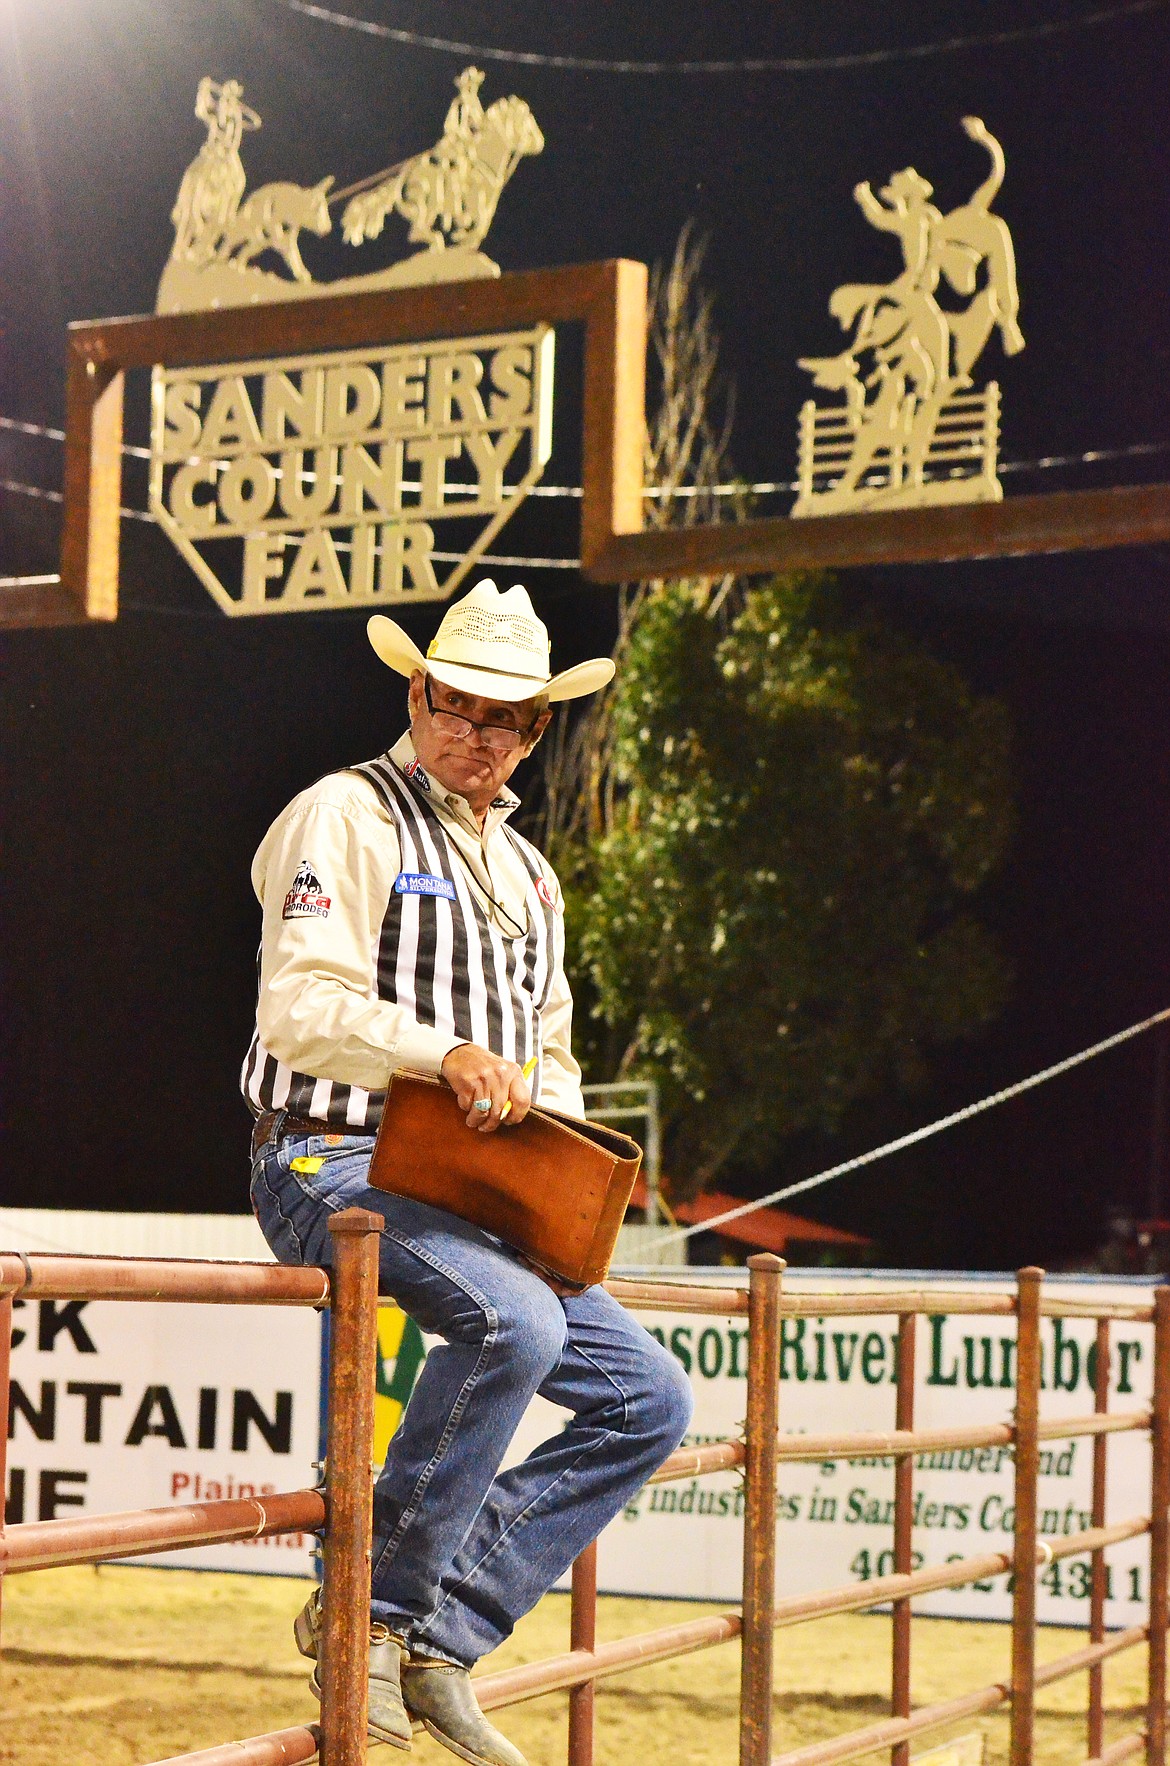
(422, 883)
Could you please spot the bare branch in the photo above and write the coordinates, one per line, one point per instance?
(687, 451)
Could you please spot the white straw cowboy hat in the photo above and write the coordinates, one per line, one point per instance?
(491, 645)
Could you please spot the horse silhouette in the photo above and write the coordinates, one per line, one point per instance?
(448, 194)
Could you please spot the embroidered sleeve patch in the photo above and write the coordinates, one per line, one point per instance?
(306, 900)
(545, 892)
(423, 883)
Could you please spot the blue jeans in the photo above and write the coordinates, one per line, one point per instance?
(462, 1550)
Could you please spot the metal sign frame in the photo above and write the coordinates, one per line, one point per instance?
(610, 300)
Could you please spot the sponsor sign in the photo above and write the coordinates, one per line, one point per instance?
(835, 1519)
(304, 482)
(120, 1405)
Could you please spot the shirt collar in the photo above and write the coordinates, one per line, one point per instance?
(410, 766)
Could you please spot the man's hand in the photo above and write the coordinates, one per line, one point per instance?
(474, 1073)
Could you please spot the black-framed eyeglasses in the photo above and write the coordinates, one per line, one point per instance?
(501, 736)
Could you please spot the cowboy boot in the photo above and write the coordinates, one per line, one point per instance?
(441, 1696)
(387, 1720)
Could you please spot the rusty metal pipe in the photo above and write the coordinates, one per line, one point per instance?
(674, 1297)
(583, 1639)
(855, 1597)
(894, 1302)
(1027, 1473)
(1159, 1610)
(1093, 1539)
(511, 1686)
(1123, 1749)
(903, 1532)
(696, 1462)
(1119, 1422)
(893, 1444)
(759, 1526)
(1098, 1577)
(93, 1539)
(5, 1361)
(1120, 1311)
(71, 1277)
(283, 1747)
(720, 1302)
(894, 1730)
(1091, 1656)
(345, 1594)
(902, 1442)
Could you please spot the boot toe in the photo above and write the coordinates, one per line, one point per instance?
(442, 1697)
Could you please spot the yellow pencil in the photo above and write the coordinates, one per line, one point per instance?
(528, 1069)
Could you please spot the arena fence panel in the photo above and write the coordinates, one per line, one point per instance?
(342, 1510)
(342, 1507)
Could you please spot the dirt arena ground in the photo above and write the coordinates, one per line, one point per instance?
(113, 1666)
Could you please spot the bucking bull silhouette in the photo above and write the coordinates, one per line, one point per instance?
(921, 353)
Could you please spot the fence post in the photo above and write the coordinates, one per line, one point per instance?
(1159, 1532)
(353, 1351)
(583, 1635)
(1099, 1575)
(759, 1522)
(1027, 1448)
(903, 1531)
(5, 1359)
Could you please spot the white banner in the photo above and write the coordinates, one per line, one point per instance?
(139, 1404)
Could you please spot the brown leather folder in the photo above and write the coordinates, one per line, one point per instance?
(553, 1187)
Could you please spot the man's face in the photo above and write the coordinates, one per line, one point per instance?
(464, 761)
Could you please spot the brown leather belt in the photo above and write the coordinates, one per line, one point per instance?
(263, 1131)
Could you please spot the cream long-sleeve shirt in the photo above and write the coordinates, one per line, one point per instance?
(318, 1008)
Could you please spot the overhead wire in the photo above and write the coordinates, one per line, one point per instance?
(683, 493)
(916, 1135)
(766, 487)
(47, 496)
(769, 64)
(23, 427)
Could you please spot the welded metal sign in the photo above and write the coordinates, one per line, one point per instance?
(316, 481)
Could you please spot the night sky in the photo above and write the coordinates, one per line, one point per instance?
(142, 762)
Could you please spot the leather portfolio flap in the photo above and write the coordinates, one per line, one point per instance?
(553, 1187)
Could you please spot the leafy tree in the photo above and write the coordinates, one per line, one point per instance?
(778, 922)
(771, 827)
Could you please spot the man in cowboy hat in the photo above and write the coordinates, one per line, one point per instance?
(406, 925)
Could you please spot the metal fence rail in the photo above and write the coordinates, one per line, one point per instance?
(352, 1296)
(343, 1510)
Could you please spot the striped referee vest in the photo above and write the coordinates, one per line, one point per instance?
(440, 955)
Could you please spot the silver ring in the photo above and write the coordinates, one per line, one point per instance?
(483, 1105)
